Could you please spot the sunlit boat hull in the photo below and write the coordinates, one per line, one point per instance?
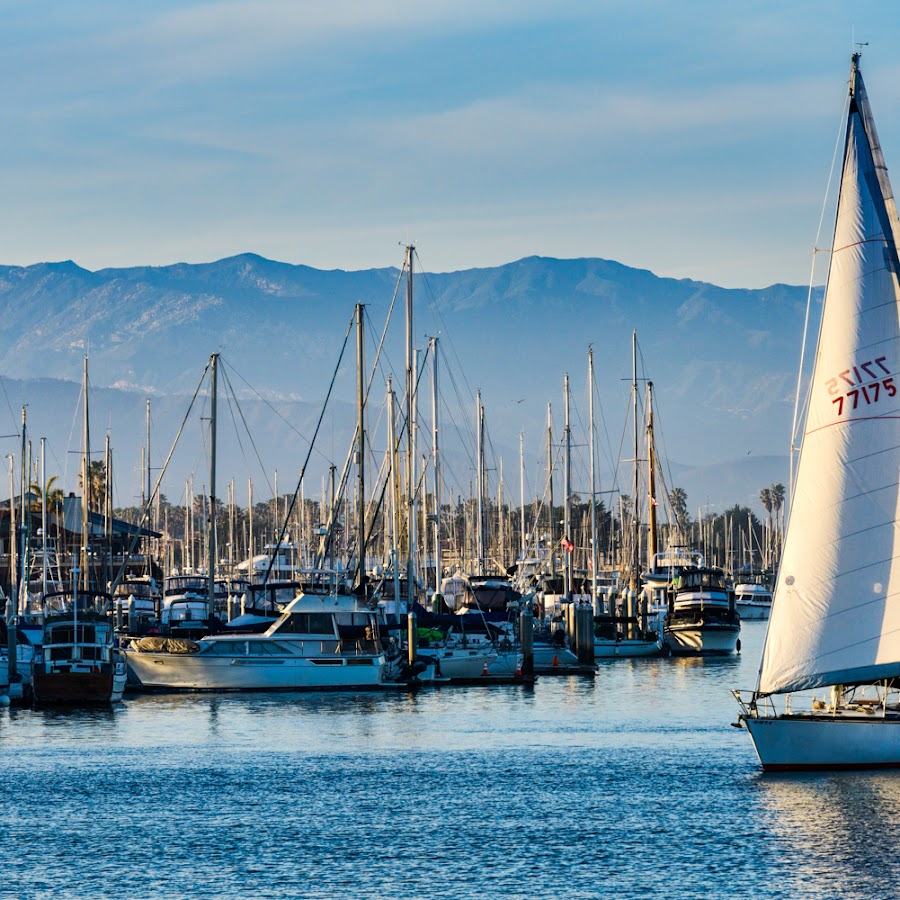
(702, 639)
(810, 742)
(196, 673)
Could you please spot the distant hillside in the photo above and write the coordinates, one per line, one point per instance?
(723, 361)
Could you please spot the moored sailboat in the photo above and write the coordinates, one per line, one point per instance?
(79, 661)
(835, 621)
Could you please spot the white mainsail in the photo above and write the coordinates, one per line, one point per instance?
(836, 613)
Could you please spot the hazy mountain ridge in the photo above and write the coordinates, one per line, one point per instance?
(723, 360)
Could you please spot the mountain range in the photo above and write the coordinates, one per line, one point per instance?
(723, 363)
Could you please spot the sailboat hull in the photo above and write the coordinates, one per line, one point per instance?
(627, 648)
(808, 743)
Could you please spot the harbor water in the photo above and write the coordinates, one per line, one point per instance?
(631, 784)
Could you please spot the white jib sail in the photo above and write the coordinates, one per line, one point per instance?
(836, 613)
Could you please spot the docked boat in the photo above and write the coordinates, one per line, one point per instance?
(320, 642)
(835, 623)
(630, 628)
(618, 637)
(78, 661)
(752, 596)
(137, 604)
(185, 604)
(702, 619)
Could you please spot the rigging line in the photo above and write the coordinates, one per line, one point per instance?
(467, 440)
(345, 473)
(287, 516)
(470, 431)
(387, 367)
(148, 508)
(375, 506)
(12, 415)
(658, 426)
(841, 129)
(237, 433)
(384, 331)
(227, 382)
(599, 406)
(274, 410)
(445, 331)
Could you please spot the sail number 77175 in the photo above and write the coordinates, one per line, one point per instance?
(862, 383)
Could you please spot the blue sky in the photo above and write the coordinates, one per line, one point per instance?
(693, 139)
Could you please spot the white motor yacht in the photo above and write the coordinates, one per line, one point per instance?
(320, 642)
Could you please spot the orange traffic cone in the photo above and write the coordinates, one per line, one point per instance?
(518, 669)
(484, 671)
(555, 660)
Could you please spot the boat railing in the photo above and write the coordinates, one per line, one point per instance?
(357, 648)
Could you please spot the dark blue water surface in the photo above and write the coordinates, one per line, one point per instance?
(628, 785)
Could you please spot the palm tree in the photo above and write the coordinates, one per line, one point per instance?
(678, 499)
(765, 496)
(777, 494)
(48, 494)
(96, 484)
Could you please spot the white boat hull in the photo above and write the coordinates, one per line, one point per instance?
(753, 612)
(606, 648)
(702, 639)
(204, 672)
(464, 663)
(798, 742)
(545, 654)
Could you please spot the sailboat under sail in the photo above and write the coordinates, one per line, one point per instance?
(835, 620)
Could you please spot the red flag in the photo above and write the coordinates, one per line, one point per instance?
(568, 546)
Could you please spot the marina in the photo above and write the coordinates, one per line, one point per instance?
(433, 554)
(631, 784)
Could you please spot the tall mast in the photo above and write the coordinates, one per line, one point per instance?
(550, 485)
(24, 521)
(651, 480)
(522, 494)
(231, 514)
(211, 534)
(479, 486)
(567, 490)
(43, 519)
(147, 473)
(436, 459)
(410, 437)
(250, 521)
(361, 446)
(395, 498)
(13, 542)
(107, 513)
(275, 512)
(501, 534)
(635, 550)
(593, 474)
(86, 488)
(13, 598)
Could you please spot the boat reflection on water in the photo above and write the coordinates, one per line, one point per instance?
(832, 826)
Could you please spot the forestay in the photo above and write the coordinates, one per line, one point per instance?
(836, 612)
